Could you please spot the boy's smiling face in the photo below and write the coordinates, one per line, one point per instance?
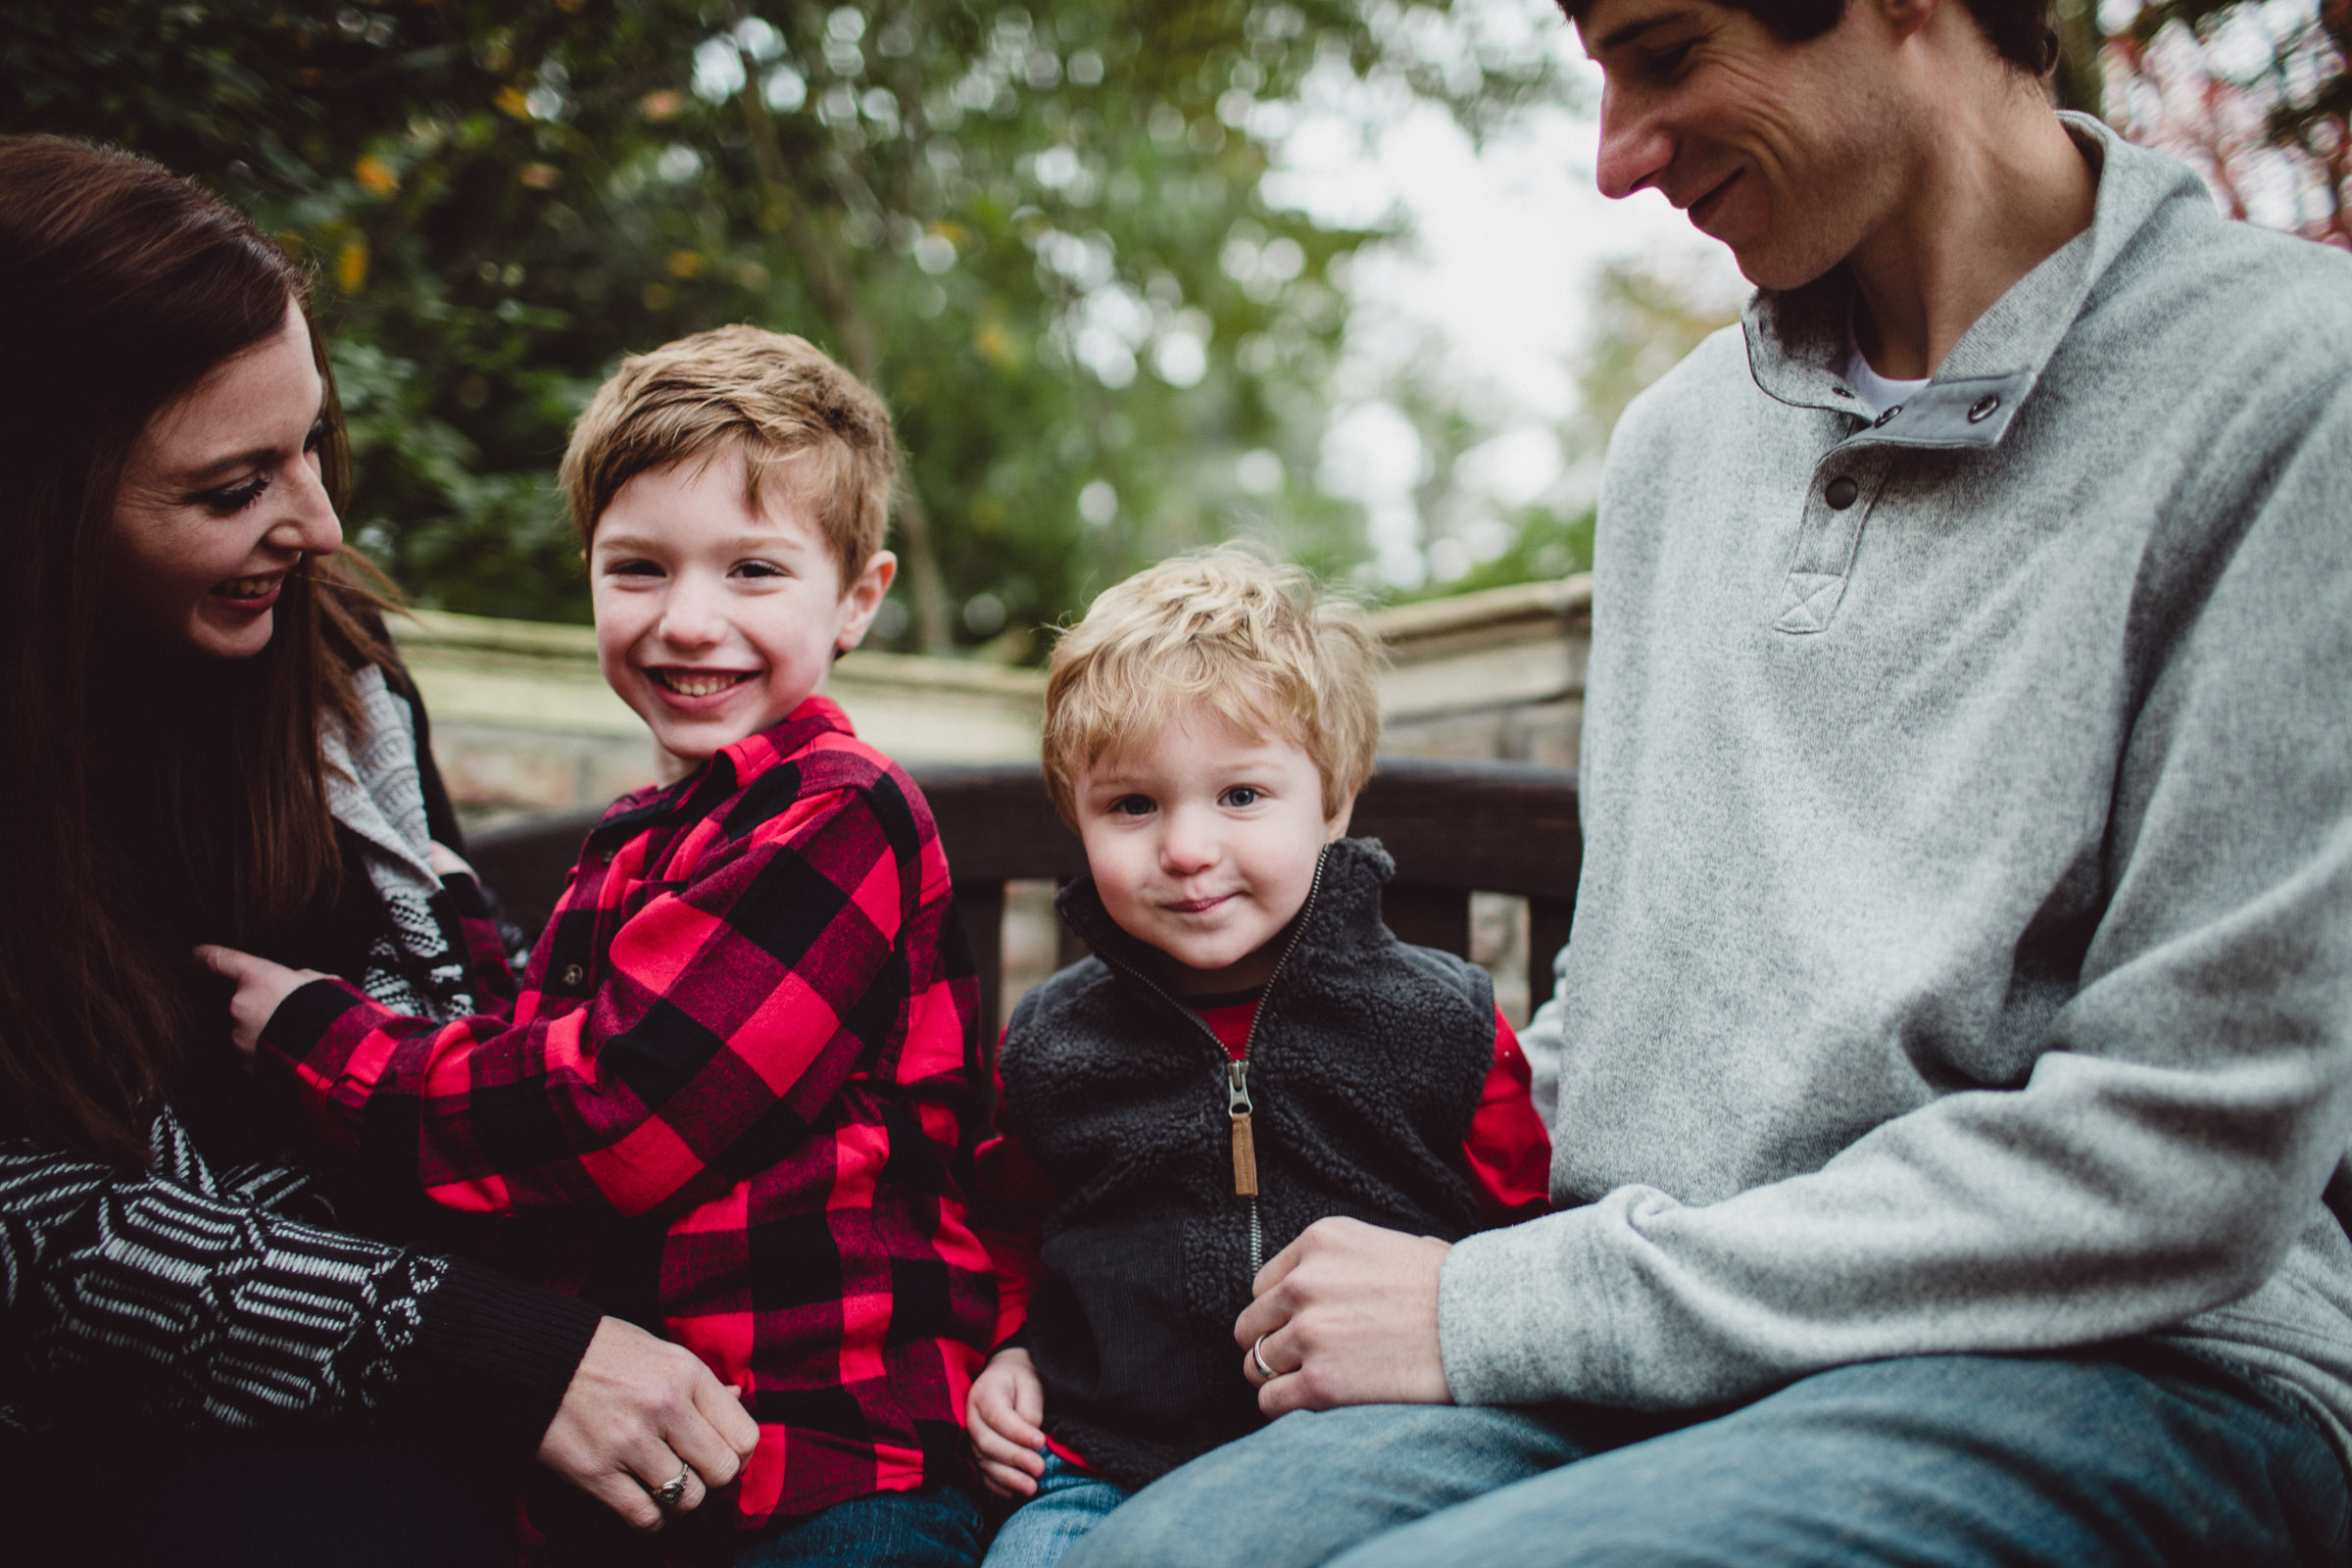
(713, 621)
(1203, 843)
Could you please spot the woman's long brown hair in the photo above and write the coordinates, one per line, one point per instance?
(148, 796)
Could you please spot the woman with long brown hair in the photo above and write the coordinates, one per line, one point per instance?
(208, 739)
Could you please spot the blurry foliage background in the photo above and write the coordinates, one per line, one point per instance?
(1042, 230)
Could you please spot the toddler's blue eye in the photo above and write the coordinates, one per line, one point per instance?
(1132, 806)
(1240, 795)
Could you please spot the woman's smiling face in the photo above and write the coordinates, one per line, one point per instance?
(220, 498)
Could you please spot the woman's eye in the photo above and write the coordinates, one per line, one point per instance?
(1240, 795)
(234, 498)
(317, 435)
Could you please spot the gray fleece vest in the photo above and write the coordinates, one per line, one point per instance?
(1366, 1068)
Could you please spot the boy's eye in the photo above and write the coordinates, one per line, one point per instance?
(758, 569)
(1239, 795)
(1132, 806)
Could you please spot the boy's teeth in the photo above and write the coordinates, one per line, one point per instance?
(691, 683)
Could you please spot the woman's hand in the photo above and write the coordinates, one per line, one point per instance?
(639, 1411)
(447, 862)
(261, 986)
(1001, 1417)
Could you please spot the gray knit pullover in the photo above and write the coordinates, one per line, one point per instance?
(1963, 959)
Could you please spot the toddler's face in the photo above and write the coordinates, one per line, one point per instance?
(1204, 843)
(714, 620)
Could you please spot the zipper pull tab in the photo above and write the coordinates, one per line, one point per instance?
(1245, 1147)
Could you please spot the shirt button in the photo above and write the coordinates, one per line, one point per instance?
(1840, 493)
(1885, 414)
(1981, 409)
(573, 974)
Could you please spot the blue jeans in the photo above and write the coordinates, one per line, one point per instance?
(938, 1526)
(2139, 1456)
(1069, 1503)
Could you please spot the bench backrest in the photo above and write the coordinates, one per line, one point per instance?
(1454, 828)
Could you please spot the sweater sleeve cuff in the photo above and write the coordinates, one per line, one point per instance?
(304, 1018)
(494, 1352)
(1519, 1318)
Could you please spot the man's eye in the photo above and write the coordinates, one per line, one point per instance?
(1240, 795)
(1668, 63)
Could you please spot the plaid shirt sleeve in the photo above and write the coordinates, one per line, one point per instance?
(732, 1005)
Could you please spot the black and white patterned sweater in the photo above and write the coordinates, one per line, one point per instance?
(198, 1300)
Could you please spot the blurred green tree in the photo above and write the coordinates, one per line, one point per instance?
(1038, 229)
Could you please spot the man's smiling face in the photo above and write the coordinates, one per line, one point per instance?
(1790, 154)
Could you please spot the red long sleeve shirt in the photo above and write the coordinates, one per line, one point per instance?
(741, 1027)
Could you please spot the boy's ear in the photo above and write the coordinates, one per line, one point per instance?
(863, 599)
(1336, 828)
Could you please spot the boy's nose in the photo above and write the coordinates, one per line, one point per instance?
(1188, 844)
(690, 617)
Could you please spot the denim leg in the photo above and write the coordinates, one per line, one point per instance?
(1069, 1503)
(938, 1526)
(2150, 1457)
(1313, 1485)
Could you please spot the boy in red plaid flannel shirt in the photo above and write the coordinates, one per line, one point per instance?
(735, 1089)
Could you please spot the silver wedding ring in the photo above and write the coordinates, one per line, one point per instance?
(1257, 1358)
(672, 1492)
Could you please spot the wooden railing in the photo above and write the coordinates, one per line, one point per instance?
(1455, 829)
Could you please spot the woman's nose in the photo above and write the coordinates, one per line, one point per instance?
(309, 522)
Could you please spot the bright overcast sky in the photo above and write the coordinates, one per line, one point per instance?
(1490, 294)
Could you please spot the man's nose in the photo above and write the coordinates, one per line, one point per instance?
(1635, 147)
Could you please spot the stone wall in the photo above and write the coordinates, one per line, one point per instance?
(524, 722)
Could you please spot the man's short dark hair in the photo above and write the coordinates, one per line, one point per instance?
(2020, 29)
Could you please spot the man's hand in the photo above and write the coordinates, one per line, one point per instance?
(1349, 1315)
(261, 986)
(1001, 1417)
(638, 1410)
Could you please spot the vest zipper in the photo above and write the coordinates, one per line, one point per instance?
(1236, 1072)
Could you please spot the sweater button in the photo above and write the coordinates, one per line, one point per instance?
(573, 974)
(1840, 493)
(1981, 409)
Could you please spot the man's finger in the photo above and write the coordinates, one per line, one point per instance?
(722, 1406)
(1279, 1266)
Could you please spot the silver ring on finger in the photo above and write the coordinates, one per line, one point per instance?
(1257, 1358)
(671, 1493)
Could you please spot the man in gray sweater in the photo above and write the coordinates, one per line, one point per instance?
(1956, 1042)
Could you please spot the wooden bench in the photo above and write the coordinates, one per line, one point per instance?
(1455, 827)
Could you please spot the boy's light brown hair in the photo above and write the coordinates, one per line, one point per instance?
(792, 408)
(1228, 627)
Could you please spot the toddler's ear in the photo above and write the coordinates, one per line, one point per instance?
(1336, 828)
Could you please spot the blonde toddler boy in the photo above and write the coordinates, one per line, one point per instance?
(1249, 1048)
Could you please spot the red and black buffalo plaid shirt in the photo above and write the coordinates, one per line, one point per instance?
(738, 1084)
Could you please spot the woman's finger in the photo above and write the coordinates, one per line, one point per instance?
(702, 1448)
(664, 1485)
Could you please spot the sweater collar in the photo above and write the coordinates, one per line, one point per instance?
(1796, 337)
(1343, 914)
